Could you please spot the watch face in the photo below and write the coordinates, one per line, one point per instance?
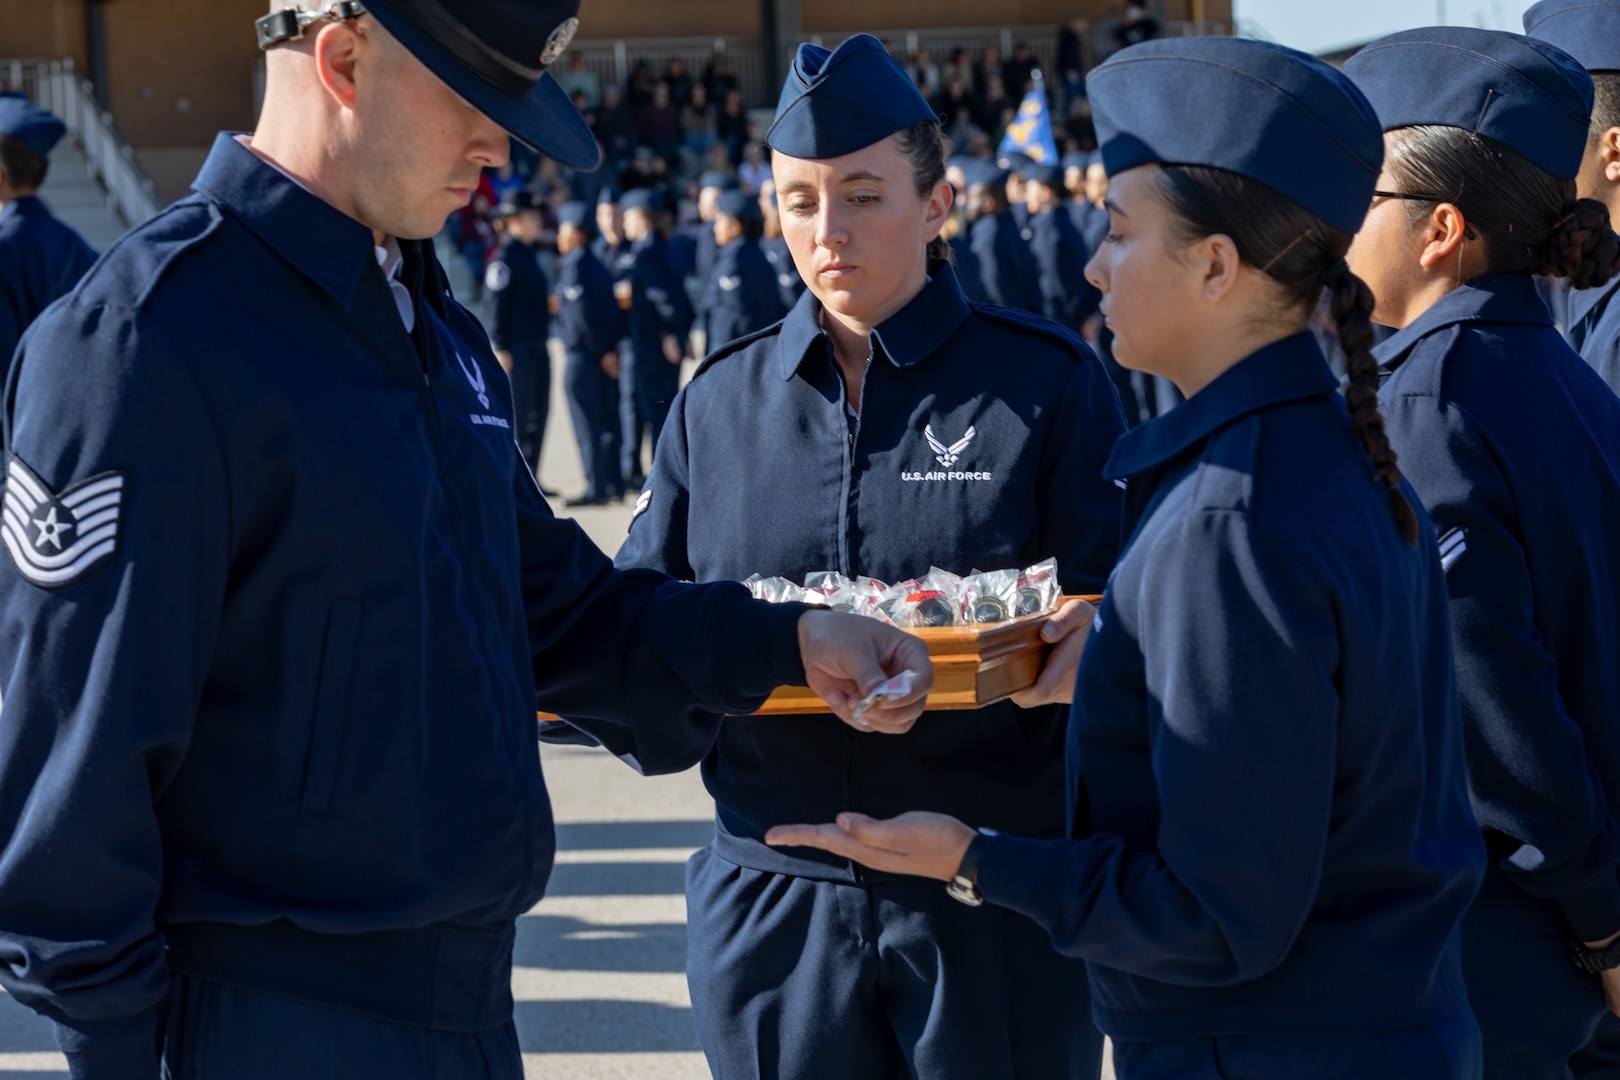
(964, 891)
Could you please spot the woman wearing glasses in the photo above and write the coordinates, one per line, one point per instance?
(1513, 444)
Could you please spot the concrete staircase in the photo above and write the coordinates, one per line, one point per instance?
(77, 199)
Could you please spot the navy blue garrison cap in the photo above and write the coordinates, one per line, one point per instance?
(30, 125)
(985, 173)
(1274, 115)
(518, 200)
(642, 199)
(609, 196)
(1076, 160)
(577, 214)
(835, 103)
(1589, 30)
(738, 204)
(1037, 173)
(1523, 93)
(722, 180)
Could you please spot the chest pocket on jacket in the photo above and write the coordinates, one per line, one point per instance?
(331, 704)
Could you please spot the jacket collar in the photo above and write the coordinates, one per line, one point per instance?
(1494, 298)
(24, 204)
(325, 244)
(1582, 302)
(906, 338)
(1288, 370)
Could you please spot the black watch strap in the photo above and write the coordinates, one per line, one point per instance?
(1595, 961)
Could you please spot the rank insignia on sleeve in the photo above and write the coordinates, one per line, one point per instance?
(497, 276)
(643, 501)
(1453, 546)
(56, 538)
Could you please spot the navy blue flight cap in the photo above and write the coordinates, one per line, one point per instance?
(1076, 160)
(1051, 175)
(1015, 161)
(577, 214)
(986, 174)
(495, 54)
(642, 199)
(835, 103)
(609, 196)
(1589, 30)
(30, 125)
(516, 201)
(1277, 116)
(724, 181)
(1525, 94)
(739, 204)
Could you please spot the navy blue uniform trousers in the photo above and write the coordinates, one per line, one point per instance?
(593, 402)
(1537, 1010)
(798, 979)
(531, 400)
(1445, 1050)
(647, 385)
(215, 1031)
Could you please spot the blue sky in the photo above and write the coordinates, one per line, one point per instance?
(1320, 25)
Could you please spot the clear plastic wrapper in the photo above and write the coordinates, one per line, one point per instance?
(1038, 589)
(925, 607)
(989, 597)
(897, 687)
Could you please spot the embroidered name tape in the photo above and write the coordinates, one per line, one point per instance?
(55, 539)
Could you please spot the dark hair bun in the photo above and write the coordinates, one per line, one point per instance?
(1584, 247)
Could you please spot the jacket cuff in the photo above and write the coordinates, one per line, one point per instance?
(119, 1048)
(1595, 914)
(758, 647)
(1024, 875)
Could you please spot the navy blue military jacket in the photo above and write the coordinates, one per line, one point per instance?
(516, 308)
(620, 260)
(1060, 257)
(40, 260)
(760, 471)
(1006, 265)
(1265, 753)
(587, 311)
(1513, 443)
(280, 601)
(788, 282)
(743, 296)
(1594, 327)
(969, 275)
(658, 304)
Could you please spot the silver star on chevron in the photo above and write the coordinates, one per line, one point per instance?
(51, 530)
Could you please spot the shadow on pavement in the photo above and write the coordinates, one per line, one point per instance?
(590, 1027)
(23, 1031)
(608, 835)
(618, 879)
(564, 944)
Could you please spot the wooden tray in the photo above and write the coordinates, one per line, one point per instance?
(974, 666)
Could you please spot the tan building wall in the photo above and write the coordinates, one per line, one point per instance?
(47, 28)
(180, 70)
(668, 18)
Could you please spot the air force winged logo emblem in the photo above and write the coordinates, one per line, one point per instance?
(54, 539)
(947, 455)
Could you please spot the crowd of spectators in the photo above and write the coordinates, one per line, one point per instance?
(668, 124)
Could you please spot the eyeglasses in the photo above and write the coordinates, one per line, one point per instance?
(1415, 197)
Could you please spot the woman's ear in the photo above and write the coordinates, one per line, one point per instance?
(1442, 235)
(939, 208)
(1216, 258)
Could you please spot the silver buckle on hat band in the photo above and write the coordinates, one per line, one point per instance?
(289, 24)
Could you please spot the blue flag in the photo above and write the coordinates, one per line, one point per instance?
(1030, 133)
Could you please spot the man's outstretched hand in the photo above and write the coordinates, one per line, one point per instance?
(847, 656)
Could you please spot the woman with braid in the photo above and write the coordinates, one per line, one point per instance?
(1270, 842)
(1513, 444)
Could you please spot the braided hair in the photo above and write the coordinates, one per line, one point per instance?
(1530, 220)
(1304, 255)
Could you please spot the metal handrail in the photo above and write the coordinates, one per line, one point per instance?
(56, 85)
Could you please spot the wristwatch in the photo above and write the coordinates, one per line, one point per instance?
(964, 887)
(1595, 961)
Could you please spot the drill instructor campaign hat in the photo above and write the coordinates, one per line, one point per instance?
(494, 53)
